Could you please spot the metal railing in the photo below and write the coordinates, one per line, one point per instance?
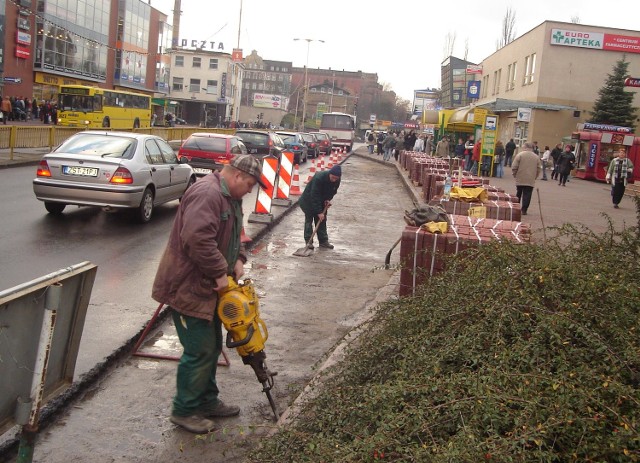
(13, 136)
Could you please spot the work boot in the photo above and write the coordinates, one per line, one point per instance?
(222, 411)
(194, 423)
(327, 245)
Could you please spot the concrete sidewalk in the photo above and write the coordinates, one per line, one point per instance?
(21, 157)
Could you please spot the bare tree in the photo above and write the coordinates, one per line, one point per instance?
(449, 43)
(508, 33)
(466, 48)
(575, 19)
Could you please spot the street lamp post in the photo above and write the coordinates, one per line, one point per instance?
(306, 79)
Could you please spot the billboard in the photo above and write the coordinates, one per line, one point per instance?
(266, 100)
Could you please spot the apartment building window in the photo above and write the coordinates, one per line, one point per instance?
(496, 82)
(213, 63)
(194, 85)
(178, 84)
(212, 86)
(529, 69)
(511, 76)
(484, 86)
(179, 61)
(197, 62)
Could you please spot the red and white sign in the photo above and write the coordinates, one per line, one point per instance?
(595, 40)
(23, 38)
(474, 69)
(632, 82)
(623, 43)
(236, 55)
(22, 52)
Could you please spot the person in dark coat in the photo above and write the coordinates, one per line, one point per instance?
(318, 193)
(410, 141)
(555, 157)
(203, 250)
(620, 169)
(509, 149)
(565, 164)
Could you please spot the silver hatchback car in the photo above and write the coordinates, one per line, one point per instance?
(113, 170)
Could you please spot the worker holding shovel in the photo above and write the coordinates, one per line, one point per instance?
(315, 201)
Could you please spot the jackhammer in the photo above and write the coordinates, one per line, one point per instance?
(246, 331)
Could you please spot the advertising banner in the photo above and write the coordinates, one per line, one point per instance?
(473, 89)
(265, 100)
(595, 40)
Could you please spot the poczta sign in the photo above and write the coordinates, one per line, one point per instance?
(201, 44)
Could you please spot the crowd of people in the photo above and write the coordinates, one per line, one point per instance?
(16, 109)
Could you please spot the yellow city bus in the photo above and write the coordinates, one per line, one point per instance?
(93, 107)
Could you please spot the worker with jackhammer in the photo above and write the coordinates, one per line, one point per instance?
(314, 202)
(204, 248)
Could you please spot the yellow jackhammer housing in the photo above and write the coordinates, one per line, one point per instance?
(238, 309)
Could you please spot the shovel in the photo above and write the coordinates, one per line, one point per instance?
(308, 250)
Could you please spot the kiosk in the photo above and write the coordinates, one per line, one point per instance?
(596, 145)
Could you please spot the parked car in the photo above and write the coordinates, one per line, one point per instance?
(294, 142)
(324, 141)
(206, 152)
(312, 144)
(113, 170)
(261, 143)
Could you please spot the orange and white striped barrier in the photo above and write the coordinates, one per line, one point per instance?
(312, 171)
(262, 212)
(284, 179)
(295, 184)
(321, 163)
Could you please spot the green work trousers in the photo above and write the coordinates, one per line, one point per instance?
(196, 388)
(309, 221)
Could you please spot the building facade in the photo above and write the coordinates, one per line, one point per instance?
(544, 83)
(203, 86)
(110, 44)
(455, 76)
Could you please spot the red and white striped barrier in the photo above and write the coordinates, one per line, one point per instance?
(312, 171)
(284, 175)
(295, 184)
(262, 212)
(321, 163)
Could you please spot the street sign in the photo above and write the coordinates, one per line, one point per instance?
(524, 115)
(474, 69)
(372, 118)
(632, 82)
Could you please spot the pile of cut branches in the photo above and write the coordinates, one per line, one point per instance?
(517, 353)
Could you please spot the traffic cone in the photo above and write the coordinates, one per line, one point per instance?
(295, 183)
(312, 171)
(330, 165)
(243, 237)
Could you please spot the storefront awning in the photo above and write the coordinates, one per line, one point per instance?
(501, 105)
(163, 102)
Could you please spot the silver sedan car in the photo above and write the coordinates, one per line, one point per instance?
(113, 170)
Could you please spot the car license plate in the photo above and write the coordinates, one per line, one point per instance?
(81, 171)
(198, 170)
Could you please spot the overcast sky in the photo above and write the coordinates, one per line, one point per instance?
(403, 42)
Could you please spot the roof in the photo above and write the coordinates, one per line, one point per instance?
(500, 105)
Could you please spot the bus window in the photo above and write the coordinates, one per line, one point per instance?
(97, 102)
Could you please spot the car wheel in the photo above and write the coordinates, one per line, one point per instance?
(106, 122)
(136, 124)
(54, 208)
(145, 209)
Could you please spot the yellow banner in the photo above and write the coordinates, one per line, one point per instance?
(50, 79)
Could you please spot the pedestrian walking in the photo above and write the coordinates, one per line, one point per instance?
(371, 141)
(388, 146)
(442, 148)
(204, 248)
(379, 142)
(526, 168)
(419, 145)
(620, 169)
(409, 140)
(499, 159)
(475, 156)
(545, 161)
(509, 149)
(565, 165)
(316, 196)
(555, 157)
(5, 107)
(468, 153)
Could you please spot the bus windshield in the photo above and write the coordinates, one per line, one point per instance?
(337, 121)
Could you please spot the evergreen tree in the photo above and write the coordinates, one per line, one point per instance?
(614, 104)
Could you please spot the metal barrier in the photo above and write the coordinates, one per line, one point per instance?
(50, 136)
